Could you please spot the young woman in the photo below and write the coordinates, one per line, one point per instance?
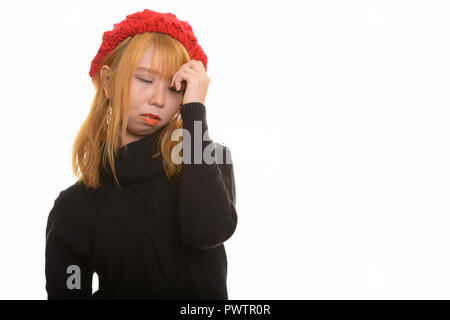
(150, 211)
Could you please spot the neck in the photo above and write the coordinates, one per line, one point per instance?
(129, 137)
(135, 161)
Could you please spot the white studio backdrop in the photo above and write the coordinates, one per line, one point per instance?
(336, 112)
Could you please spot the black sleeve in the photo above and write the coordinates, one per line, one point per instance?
(68, 270)
(206, 192)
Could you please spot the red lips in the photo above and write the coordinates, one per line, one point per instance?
(152, 115)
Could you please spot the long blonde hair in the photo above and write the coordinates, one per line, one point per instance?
(99, 136)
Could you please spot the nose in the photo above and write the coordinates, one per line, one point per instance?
(157, 95)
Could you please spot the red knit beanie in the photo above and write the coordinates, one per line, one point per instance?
(145, 21)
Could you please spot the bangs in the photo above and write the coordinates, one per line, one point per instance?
(170, 53)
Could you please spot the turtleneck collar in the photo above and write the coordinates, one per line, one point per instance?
(135, 163)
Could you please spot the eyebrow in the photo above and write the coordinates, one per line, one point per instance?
(147, 70)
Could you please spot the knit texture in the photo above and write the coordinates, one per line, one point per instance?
(147, 21)
(151, 239)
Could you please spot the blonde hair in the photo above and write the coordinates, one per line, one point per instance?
(97, 141)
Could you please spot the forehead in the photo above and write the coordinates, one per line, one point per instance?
(145, 61)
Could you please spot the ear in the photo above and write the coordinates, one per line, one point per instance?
(105, 77)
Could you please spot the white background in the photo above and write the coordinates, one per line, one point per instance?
(336, 113)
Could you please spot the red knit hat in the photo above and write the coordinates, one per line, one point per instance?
(145, 21)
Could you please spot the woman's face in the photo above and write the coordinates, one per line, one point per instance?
(150, 94)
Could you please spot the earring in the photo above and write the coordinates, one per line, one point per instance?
(108, 114)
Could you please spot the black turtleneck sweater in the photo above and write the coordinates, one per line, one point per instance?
(150, 239)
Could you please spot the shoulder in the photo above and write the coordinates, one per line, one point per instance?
(74, 196)
(71, 207)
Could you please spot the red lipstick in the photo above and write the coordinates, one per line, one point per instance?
(150, 119)
(152, 115)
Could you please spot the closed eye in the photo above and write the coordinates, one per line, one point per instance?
(173, 89)
(145, 81)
